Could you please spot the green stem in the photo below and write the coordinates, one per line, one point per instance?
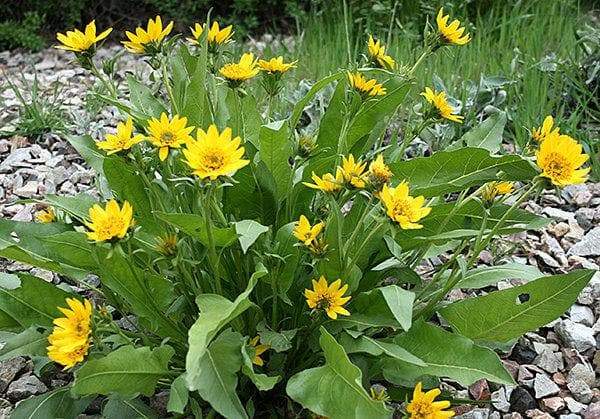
(167, 84)
(213, 258)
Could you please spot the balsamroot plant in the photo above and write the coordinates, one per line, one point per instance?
(256, 270)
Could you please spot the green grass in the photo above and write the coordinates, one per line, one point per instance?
(512, 40)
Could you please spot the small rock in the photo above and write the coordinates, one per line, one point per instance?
(480, 390)
(26, 386)
(559, 378)
(43, 274)
(521, 400)
(537, 414)
(574, 406)
(559, 229)
(579, 195)
(558, 214)
(576, 335)
(477, 413)
(546, 259)
(28, 190)
(582, 314)
(582, 372)
(592, 412)
(513, 415)
(549, 361)
(585, 217)
(524, 375)
(523, 352)
(500, 400)
(575, 231)
(581, 391)
(9, 370)
(553, 404)
(569, 416)
(589, 245)
(544, 386)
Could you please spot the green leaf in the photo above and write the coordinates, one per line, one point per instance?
(389, 306)
(178, 396)
(285, 246)
(452, 171)
(332, 121)
(275, 151)
(20, 299)
(119, 408)
(302, 103)
(216, 311)
(86, 147)
(189, 75)
(375, 347)
(53, 404)
(195, 226)
(248, 232)
(485, 276)
(125, 371)
(143, 100)
(76, 206)
(71, 248)
(278, 341)
(262, 381)
(335, 390)
(375, 111)
(503, 315)
(128, 185)
(217, 375)
(29, 342)
(446, 355)
(487, 134)
(465, 222)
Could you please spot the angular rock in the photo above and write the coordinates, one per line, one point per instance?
(521, 400)
(589, 245)
(549, 361)
(537, 414)
(582, 372)
(26, 386)
(9, 370)
(582, 314)
(480, 390)
(580, 391)
(569, 416)
(575, 335)
(553, 404)
(592, 412)
(585, 217)
(574, 406)
(544, 386)
(500, 400)
(523, 352)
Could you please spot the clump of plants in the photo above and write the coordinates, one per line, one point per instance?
(256, 272)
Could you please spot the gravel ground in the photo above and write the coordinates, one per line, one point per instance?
(557, 368)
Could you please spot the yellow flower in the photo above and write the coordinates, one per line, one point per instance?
(122, 140)
(539, 134)
(423, 406)
(216, 36)
(214, 154)
(328, 297)
(166, 134)
(242, 71)
(70, 338)
(560, 157)
(259, 349)
(327, 183)
(492, 189)
(78, 41)
(305, 232)
(365, 87)
(276, 65)
(379, 172)
(378, 55)
(147, 41)
(439, 101)
(45, 216)
(451, 33)
(110, 223)
(354, 172)
(166, 245)
(403, 208)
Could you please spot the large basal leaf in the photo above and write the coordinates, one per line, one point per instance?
(365, 344)
(389, 306)
(376, 110)
(451, 171)
(285, 246)
(215, 312)
(335, 390)
(77, 206)
(178, 396)
(275, 151)
(484, 276)
(119, 408)
(128, 185)
(446, 355)
(248, 232)
(54, 404)
(262, 381)
(507, 314)
(195, 226)
(71, 248)
(488, 134)
(29, 342)
(218, 379)
(332, 121)
(20, 299)
(125, 371)
(188, 78)
(466, 222)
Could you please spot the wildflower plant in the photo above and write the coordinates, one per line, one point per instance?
(251, 277)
